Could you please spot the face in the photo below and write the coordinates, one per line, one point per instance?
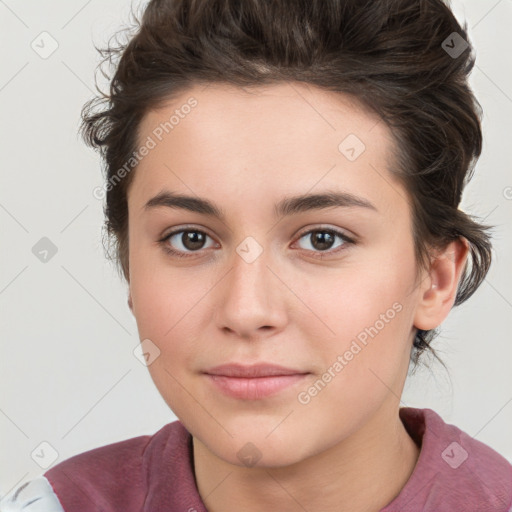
(261, 275)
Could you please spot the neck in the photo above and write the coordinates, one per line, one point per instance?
(363, 472)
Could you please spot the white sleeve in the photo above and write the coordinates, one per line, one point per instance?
(34, 496)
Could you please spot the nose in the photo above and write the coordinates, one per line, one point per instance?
(250, 301)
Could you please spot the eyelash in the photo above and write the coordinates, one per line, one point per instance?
(316, 254)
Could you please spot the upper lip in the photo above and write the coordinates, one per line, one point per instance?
(254, 370)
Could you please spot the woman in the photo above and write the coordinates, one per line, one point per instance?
(282, 191)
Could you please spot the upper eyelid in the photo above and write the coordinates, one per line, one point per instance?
(185, 228)
(338, 231)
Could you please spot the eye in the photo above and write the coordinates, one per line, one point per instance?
(321, 240)
(185, 241)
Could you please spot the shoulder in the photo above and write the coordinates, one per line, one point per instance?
(109, 478)
(460, 447)
(454, 470)
(34, 496)
(112, 477)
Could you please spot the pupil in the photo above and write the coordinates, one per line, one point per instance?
(192, 240)
(322, 240)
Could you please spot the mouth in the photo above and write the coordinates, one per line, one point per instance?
(253, 382)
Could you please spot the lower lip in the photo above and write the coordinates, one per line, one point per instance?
(254, 388)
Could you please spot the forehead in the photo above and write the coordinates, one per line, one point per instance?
(220, 107)
(261, 140)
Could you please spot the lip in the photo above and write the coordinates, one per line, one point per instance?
(253, 382)
(253, 370)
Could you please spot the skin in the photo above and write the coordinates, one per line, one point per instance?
(245, 150)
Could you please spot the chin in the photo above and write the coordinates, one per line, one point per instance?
(253, 445)
(259, 454)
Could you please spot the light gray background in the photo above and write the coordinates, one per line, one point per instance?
(68, 374)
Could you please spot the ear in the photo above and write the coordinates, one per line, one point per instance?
(130, 304)
(439, 288)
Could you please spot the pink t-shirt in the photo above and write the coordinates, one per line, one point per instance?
(454, 473)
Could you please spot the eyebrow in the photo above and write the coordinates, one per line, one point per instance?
(286, 207)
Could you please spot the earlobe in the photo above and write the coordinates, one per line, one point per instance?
(130, 304)
(439, 289)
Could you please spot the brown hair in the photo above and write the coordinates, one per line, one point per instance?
(393, 56)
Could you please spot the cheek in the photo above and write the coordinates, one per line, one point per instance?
(370, 309)
(171, 322)
(164, 307)
(159, 295)
(169, 310)
(359, 296)
(365, 362)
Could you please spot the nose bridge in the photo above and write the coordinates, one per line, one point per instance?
(249, 275)
(248, 299)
